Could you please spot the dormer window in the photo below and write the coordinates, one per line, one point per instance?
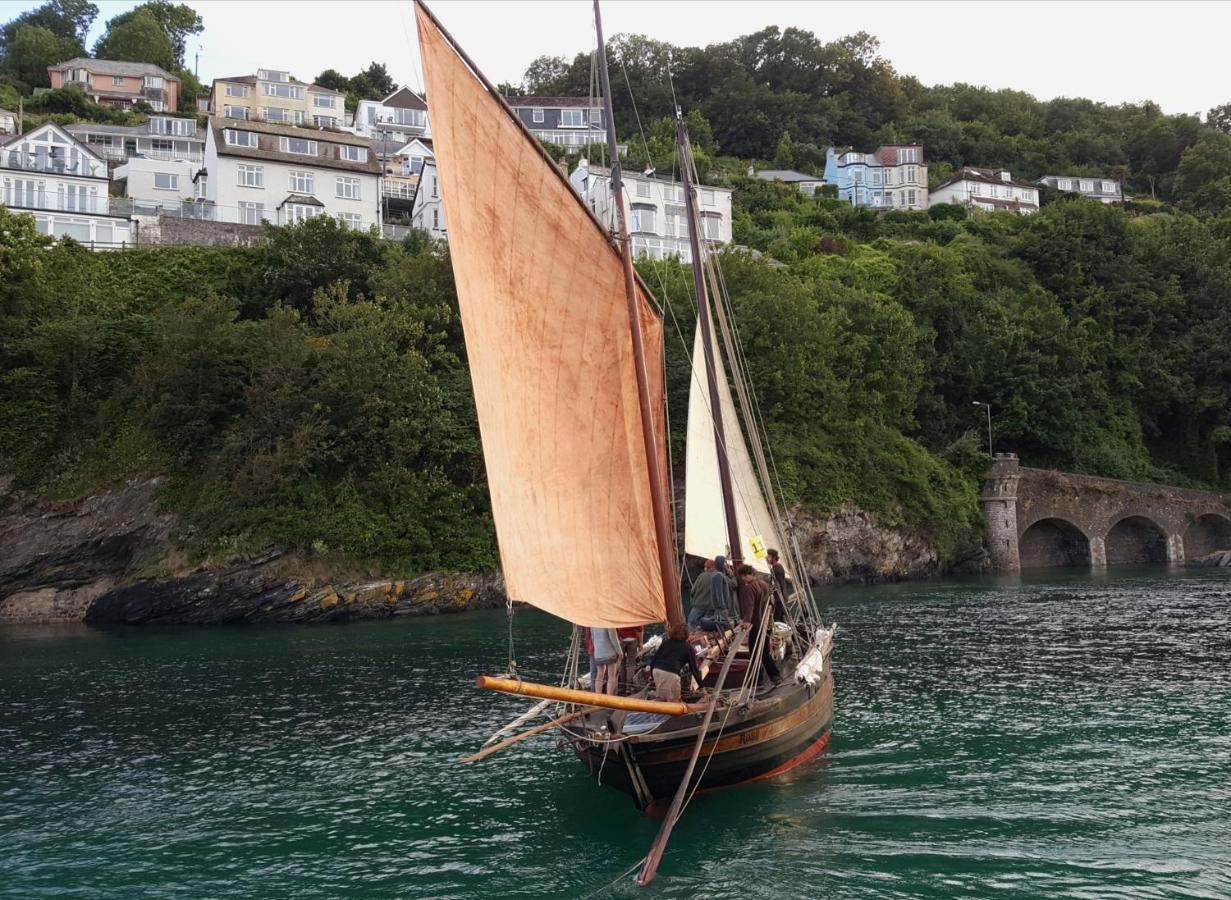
(536, 116)
(572, 118)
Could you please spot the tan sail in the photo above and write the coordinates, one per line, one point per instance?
(541, 291)
(705, 532)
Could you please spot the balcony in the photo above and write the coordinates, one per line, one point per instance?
(50, 165)
(14, 198)
(397, 190)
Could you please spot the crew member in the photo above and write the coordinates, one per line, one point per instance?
(607, 655)
(701, 613)
(672, 656)
(754, 595)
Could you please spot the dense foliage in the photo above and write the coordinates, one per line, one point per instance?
(757, 88)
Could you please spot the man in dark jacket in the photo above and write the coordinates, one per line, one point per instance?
(754, 595)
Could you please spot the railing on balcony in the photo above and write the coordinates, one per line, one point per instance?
(15, 198)
(52, 165)
(397, 191)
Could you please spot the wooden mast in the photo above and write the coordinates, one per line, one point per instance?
(707, 341)
(662, 524)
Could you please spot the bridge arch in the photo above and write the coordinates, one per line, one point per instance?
(1207, 533)
(1053, 543)
(1136, 541)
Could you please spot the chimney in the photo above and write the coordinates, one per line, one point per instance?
(1004, 176)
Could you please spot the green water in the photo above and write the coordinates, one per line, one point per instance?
(1059, 737)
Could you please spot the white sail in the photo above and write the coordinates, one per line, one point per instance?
(705, 528)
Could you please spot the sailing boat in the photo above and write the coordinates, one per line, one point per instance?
(565, 347)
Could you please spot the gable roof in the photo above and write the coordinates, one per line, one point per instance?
(549, 102)
(409, 147)
(404, 98)
(113, 67)
(69, 138)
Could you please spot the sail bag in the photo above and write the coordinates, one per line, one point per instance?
(549, 342)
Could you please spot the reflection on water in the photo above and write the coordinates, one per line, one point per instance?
(1049, 736)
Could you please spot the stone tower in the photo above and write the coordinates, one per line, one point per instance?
(999, 501)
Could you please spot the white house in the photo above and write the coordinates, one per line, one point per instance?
(154, 184)
(162, 137)
(261, 171)
(399, 117)
(654, 208)
(429, 214)
(986, 189)
(57, 179)
(1105, 190)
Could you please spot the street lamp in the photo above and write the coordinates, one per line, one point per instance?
(988, 407)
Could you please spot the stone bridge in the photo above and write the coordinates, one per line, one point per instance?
(1038, 518)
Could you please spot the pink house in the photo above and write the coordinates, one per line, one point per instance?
(111, 83)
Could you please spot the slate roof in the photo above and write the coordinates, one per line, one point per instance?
(404, 98)
(553, 102)
(983, 176)
(785, 175)
(322, 136)
(113, 67)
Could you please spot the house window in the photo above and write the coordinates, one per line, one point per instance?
(251, 176)
(325, 121)
(436, 220)
(300, 146)
(358, 154)
(643, 189)
(435, 187)
(642, 218)
(285, 91)
(162, 145)
(353, 221)
(251, 213)
(348, 188)
(323, 100)
(165, 181)
(294, 213)
(536, 115)
(299, 182)
(707, 198)
(912, 175)
(117, 80)
(235, 112)
(154, 81)
(572, 118)
(276, 114)
(910, 198)
(239, 138)
(908, 155)
(237, 90)
(1109, 187)
(711, 228)
(1087, 185)
(416, 165)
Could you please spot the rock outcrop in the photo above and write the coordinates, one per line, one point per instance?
(108, 560)
(1219, 558)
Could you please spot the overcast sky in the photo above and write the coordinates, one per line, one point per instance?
(1173, 53)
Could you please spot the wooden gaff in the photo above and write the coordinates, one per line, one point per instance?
(586, 698)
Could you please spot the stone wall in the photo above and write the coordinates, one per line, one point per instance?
(169, 231)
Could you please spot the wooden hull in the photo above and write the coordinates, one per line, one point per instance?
(775, 734)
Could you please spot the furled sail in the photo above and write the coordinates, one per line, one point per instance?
(543, 307)
(705, 531)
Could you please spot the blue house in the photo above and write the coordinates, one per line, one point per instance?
(893, 177)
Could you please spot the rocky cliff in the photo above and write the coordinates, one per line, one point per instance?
(108, 559)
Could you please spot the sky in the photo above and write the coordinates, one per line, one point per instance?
(1171, 52)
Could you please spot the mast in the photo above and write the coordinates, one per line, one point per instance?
(707, 338)
(662, 527)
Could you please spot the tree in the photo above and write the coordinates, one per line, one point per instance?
(137, 37)
(784, 156)
(334, 80)
(31, 50)
(66, 19)
(545, 76)
(1220, 117)
(176, 21)
(373, 83)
